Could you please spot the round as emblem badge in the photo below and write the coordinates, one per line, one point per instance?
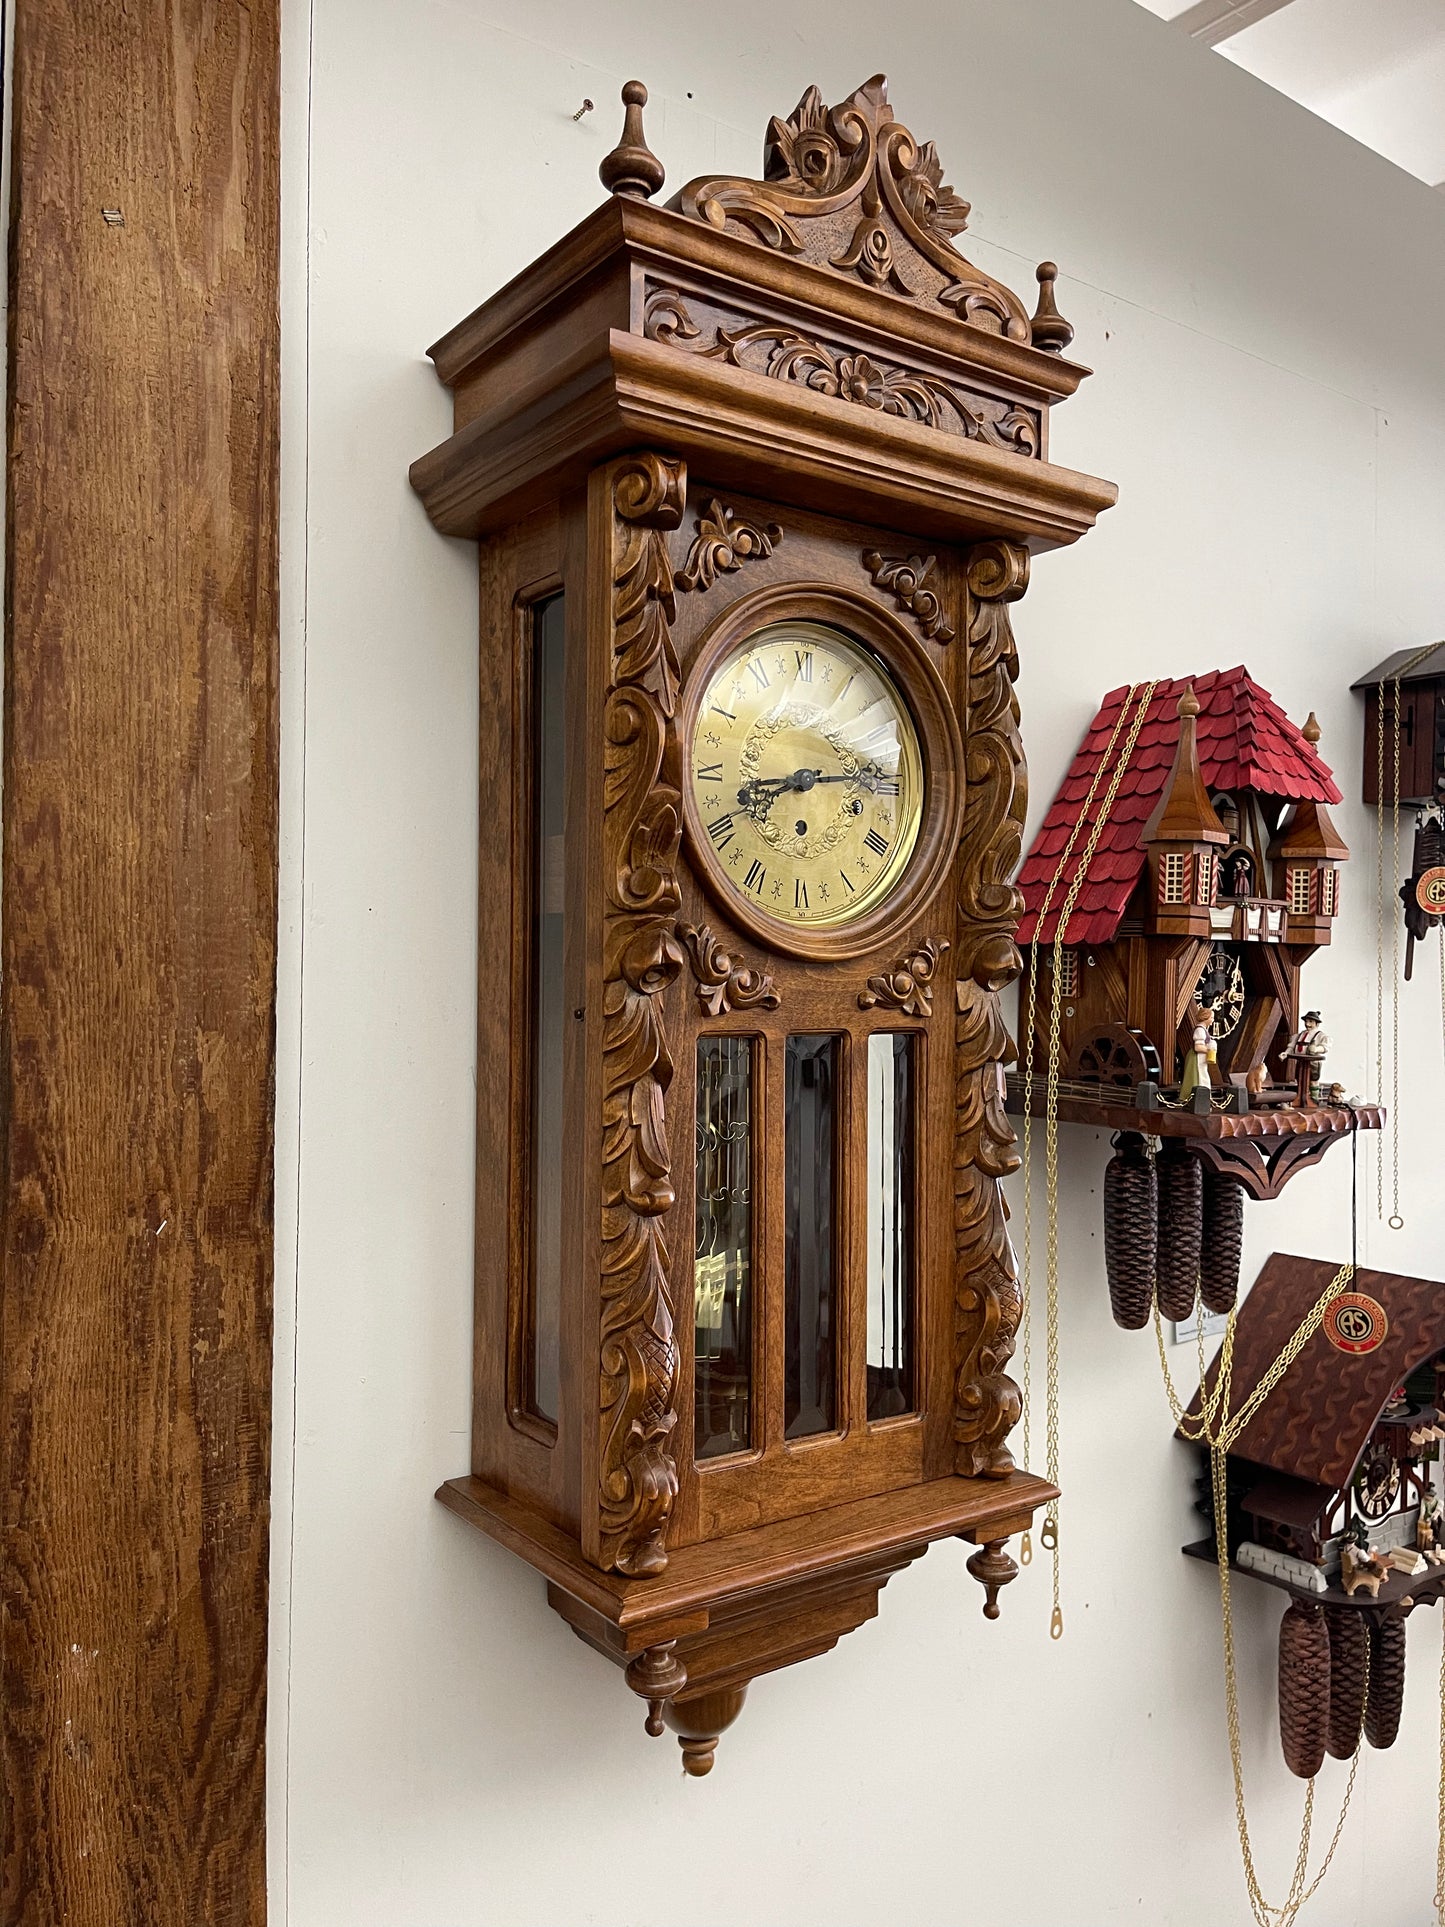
(1430, 891)
(1355, 1323)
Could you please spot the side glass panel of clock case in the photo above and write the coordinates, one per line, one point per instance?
(727, 1268)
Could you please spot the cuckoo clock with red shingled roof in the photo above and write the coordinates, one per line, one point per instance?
(1192, 863)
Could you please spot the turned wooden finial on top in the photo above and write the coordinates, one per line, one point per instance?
(1188, 704)
(1048, 329)
(632, 168)
(1311, 730)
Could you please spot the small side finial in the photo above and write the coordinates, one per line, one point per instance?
(1188, 703)
(1311, 730)
(632, 169)
(1050, 330)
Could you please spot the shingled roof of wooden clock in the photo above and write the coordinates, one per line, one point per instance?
(1246, 742)
(1316, 1422)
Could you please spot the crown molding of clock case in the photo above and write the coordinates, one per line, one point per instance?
(769, 403)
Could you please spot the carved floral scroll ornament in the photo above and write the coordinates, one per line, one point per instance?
(724, 541)
(909, 580)
(784, 354)
(986, 1295)
(642, 816)
(849, 188)
(722, 983)
(908, 986)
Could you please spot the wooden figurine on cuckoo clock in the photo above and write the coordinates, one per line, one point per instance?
(1328, 1492)
(757, 478)
(1185, 873)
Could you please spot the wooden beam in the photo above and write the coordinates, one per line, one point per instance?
(137, 1018)
(1213, 21)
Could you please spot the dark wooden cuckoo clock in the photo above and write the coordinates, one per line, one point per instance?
(1185, 873)
(1328, 1493)
(757, 477)
(1404, 770)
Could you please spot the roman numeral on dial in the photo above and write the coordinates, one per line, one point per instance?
(721, 831)
(804, 659)
(876, 843)
(710, 773)
(800, 894)
(755, 876)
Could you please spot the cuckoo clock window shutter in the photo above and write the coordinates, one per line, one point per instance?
(756, 479)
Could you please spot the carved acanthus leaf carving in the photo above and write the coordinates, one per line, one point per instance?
(723, 984)
(642, 817)
(848, 187)
(907, 577)
(986, 1298)
(784, 354)
(908, 986)
(724, 541)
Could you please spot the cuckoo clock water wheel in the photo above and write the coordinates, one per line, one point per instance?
(1115, 1054)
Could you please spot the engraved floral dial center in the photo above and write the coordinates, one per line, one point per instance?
(802, 710)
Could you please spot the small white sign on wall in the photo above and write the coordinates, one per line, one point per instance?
(1186, 1330)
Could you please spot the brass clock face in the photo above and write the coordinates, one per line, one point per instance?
(806, 775)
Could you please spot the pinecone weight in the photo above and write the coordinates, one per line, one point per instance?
(1131, 1219)
(1181, 1229)
(1304, 1688)
(1349, 1644)
(1387, 1678)
(1221, 1240)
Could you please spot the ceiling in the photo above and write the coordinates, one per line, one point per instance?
(1373, 68)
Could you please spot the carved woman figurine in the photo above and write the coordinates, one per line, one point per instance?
(1199, 1067)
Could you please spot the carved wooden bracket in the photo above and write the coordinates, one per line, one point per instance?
(642, 822)
(723, 985)
(907, 579)
(908, 986)
(724, 541)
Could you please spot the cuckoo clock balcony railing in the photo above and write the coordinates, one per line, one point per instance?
(1249, 920)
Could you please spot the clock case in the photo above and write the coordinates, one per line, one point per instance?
(791, 397)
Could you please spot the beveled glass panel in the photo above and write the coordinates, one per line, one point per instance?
(891, 1178)
(810, 1155)
(723, 1247)
(549, 772)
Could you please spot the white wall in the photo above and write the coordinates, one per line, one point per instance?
(1261, 300)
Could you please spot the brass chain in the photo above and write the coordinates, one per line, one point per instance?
(1440, 1810)
(1381, 911)
(1215, 1428)
(1049, 1536)
(1397, 1223)
(1026, 1026)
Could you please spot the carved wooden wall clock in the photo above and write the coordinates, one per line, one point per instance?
(756, 478)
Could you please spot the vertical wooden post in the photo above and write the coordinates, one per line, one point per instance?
(136, 1032)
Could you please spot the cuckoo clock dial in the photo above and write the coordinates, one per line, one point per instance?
(806, 775)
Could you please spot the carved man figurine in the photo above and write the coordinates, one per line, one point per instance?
(1308, 1053)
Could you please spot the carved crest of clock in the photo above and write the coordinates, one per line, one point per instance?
(756, 478)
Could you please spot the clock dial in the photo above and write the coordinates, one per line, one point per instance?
(806, 774)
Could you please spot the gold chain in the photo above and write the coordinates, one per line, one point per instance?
(1049, 1537)
(1027, 1027)
(1215, 1428)
(1381, 911)
(1440, 1813)
(1397, 1223)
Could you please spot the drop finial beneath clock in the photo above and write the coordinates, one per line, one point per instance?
(632, 169)
(1048, 328)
